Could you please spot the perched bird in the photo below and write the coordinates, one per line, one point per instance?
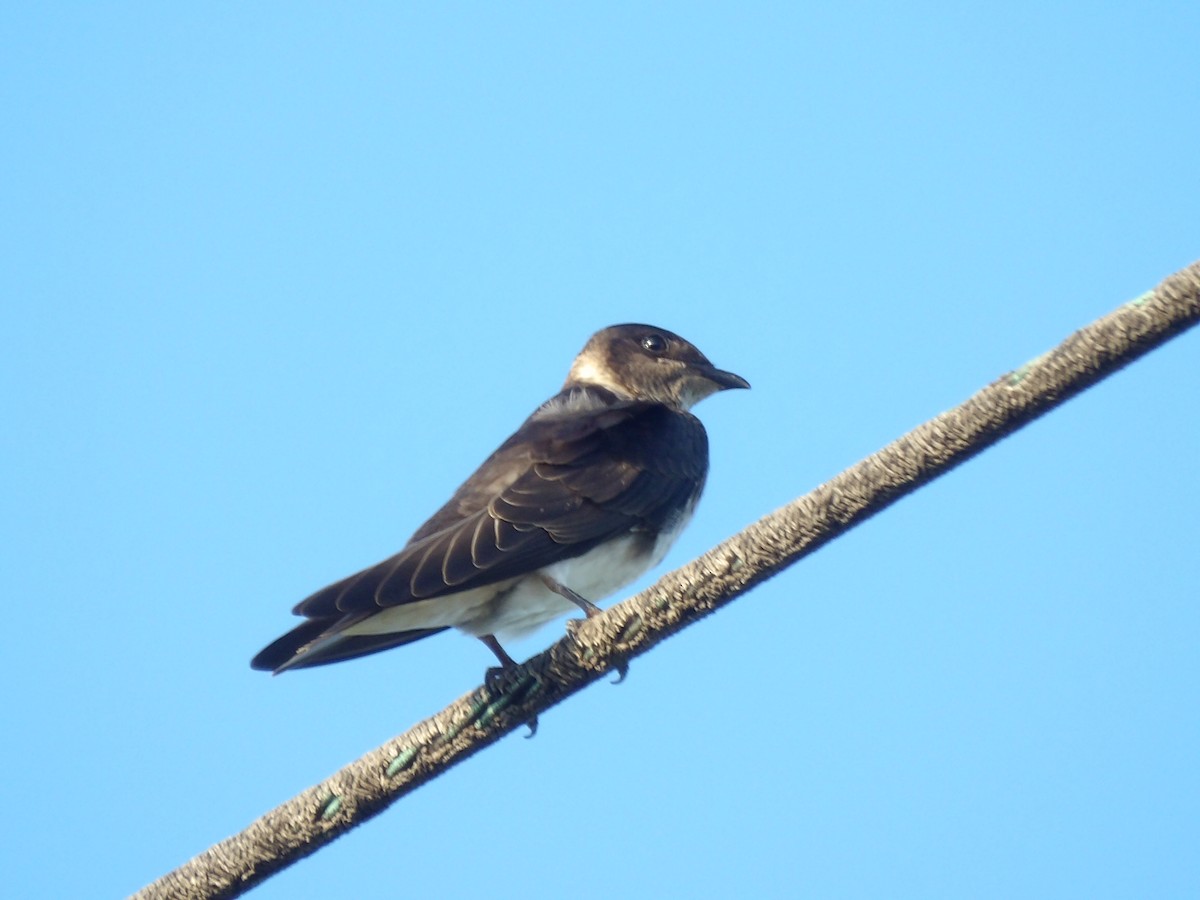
(589, 493)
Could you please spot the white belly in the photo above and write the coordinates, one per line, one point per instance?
(595, 575)
(516, 607)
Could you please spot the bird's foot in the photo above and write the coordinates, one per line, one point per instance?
(509, 681)
(621, 667)
(510, 684)
(503, 680)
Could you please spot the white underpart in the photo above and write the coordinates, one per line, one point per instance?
(528, 603)
(694, 390)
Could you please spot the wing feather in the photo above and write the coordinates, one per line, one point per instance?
(559, 487)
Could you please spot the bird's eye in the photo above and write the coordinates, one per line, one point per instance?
(654, 343)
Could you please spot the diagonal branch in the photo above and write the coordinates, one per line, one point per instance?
(598, 645)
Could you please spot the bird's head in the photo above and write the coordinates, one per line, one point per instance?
(642, 362)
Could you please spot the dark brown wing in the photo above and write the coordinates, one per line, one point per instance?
(554, 423)
(294, 650)
(563, 484)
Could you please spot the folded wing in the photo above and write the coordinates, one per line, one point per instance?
(562, 485)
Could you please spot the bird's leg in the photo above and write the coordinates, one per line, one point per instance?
(506, 661)
(499, 679)
(589, 608)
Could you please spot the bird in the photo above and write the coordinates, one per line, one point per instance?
(587, 495)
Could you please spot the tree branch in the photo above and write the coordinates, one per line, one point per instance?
(593, 647)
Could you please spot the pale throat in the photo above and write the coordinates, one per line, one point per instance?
(589, 369)
(586, 370)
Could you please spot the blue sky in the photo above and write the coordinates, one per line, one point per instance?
(276, 277)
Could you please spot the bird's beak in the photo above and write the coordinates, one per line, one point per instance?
(725, 380)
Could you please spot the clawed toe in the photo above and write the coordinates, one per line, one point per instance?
(512, 684)
(621, 667)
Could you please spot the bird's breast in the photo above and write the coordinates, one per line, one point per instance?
(594, 575)
(520, 605)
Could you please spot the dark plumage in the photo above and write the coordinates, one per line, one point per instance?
(588, 493)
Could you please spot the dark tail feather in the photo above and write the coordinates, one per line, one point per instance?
(312, 644)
